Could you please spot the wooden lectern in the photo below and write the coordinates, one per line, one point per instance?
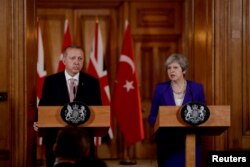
(49, 116)
(218, 122)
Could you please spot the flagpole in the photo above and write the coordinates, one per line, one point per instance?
(126, 101)
(127, 148)
(126, 159)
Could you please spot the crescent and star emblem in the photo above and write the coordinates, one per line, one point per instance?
(129, 84)
(126, 59)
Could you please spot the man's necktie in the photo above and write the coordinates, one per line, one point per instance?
(72, 89)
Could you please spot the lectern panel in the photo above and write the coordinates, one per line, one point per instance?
(49, 116)
(169, 117)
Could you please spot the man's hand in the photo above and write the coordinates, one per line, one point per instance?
(35, 126)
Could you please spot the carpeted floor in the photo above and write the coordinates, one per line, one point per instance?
(116, 163)
(139, 163)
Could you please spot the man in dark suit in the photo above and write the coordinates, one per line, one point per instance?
(56, 92)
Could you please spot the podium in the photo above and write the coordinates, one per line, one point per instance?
(217, 123)
(49, 117)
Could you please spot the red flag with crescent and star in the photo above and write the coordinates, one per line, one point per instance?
(126, 100)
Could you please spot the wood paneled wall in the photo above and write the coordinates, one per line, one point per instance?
(213, 34)
(4, 105)
(246, 75)
(18, 78)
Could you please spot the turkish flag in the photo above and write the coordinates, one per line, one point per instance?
(66, 42)
(126, 101)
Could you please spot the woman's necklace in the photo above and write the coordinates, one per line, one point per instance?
(179, 91)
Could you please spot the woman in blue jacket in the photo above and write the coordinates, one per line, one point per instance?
(177, 91)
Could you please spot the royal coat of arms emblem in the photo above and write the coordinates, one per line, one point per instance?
(195, 113)
(75, 113)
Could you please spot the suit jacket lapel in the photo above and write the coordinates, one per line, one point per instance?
(189, 93)
(168, 95)
(80, 84)
(63, 86)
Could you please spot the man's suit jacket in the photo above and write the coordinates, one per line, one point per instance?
(55, 91)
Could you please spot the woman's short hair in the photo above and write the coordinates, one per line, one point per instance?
(179, 58)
